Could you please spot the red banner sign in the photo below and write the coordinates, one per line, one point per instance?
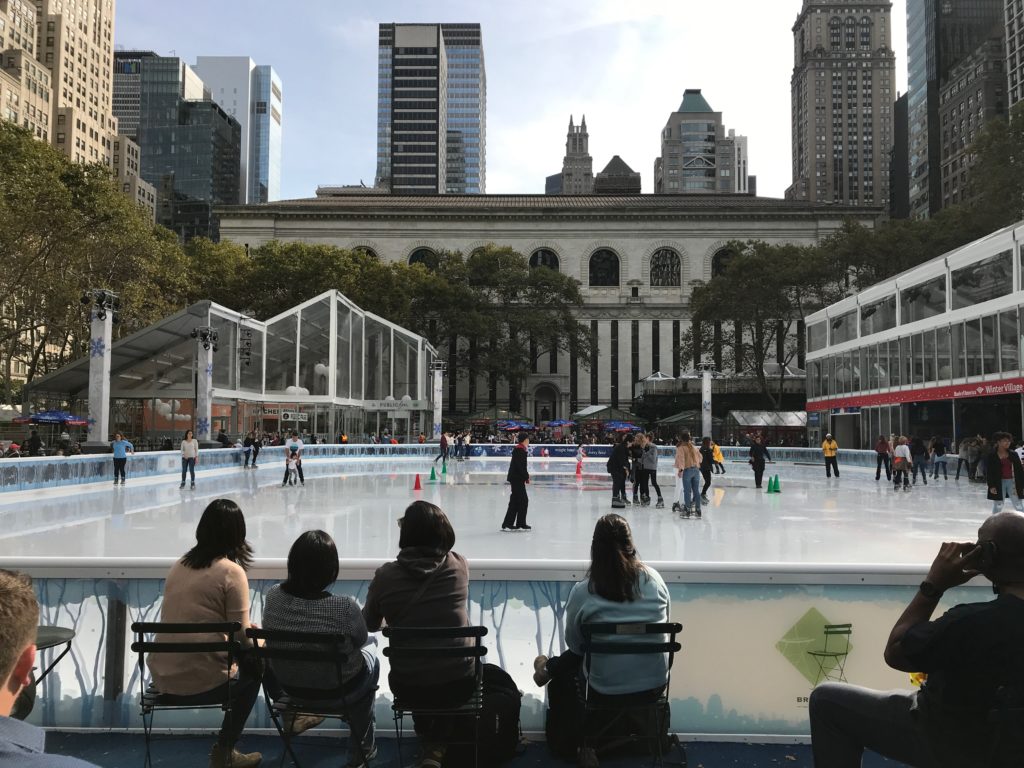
(951, 392)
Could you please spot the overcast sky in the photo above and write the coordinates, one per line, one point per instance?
(624, 63)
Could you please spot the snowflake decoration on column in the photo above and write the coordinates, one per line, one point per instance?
(209, 370)
(91, 422)
(203, 426)
(97, 348)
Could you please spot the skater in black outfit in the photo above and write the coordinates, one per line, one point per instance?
(618, 468)
(636, 452)
(252, 448)
(707, 461)
(758, 456)
(518, 476)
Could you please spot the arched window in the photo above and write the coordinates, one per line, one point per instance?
(665, 269)
(604, 268)
(865, 32)
(720, 261)
(544, 257)
(424, 256)
(834, 34)
(850, 34)
(366, 250)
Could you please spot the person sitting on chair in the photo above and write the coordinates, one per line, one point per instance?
(303, 603)
(427, 586)
(209, 585)
(21, 744)
(968, 654)
(619, 588)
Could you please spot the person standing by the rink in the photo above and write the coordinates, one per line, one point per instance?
(758, 456)
(518, 476)
(687, 466)
(1004, 474)
(189, 457)
(718, 460)
(293, 447)
(442, 449)
(918, 459)
(830, 449)
(251, 444)
(883, 457)
(121, 448)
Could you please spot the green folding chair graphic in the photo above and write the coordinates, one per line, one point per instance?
(831, 658)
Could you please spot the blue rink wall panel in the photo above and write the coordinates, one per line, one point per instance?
(28, 474)
(751, 652)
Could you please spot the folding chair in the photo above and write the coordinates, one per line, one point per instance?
(628, 639)
(840, 636)
(327, 650)
(151, 699)
(422, 645)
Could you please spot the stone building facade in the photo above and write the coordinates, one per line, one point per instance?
(637, 258)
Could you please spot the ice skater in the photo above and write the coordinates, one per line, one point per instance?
(901, 459)
(442, 449)
(636, 452)
(581, 454)
(719, 460)
(687, 466)
(293, 446)
(1004, 474)
(189, 457)
(649, 468)
(122, 449)
(618, 468)
(830, 449)
(251, 446)
(291, 472)
(758, 456)
(707, 460)
(518, 476)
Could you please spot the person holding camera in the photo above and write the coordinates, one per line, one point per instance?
(970, 654)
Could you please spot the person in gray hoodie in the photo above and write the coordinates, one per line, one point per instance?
(398, 597)
(649, 466)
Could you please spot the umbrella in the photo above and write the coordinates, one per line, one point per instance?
(52, 417)
(561, 423)
(621, 426)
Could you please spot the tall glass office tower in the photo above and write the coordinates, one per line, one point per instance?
(940, 34)
(432, 110)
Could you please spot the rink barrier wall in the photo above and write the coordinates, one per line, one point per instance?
(27, 474)
(740, 624)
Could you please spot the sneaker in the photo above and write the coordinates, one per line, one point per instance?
(370, 753)
(296, 724)
(236, 759)
(541, 676)
(433, 754)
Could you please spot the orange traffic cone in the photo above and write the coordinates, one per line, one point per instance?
(417, 486)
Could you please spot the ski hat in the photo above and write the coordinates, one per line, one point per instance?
(828, 435)
(523, 436)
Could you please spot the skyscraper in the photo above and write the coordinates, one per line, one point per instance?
(252, 94)
(1015, 50)
(842, 101)
(940, 33)
(25, 93)
(127, 79)
(431, 109)
(617, 178)
(76, 43)
(577, 176)
(696, 155)
(191, 148)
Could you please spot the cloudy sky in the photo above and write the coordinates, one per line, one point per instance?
(623, 63)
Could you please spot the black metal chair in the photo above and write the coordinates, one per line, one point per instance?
(427, 645)
(152, 700)
(325, 650)
(628, 639)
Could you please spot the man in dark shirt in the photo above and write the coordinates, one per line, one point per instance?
(518, 476)
(968, 653)
(21, 744)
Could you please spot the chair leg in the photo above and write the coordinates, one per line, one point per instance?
(147, 730)
(397, 715)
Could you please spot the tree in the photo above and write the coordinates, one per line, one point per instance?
(759, 300)
(997, 176)
(66, 228)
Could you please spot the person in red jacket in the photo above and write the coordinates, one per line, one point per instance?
(518, 476)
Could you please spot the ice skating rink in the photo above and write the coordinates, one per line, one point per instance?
(850, 521)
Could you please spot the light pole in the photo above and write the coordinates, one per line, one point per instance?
(206, 344)
(707, 372)
(103, 313)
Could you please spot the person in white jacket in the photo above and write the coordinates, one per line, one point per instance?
(189, 458)
(901, 461)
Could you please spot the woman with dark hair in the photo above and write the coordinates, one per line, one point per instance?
(619, 588)
(303, 602)
(209, 585)
(189, 457)
(1004, 474)
(426, 586)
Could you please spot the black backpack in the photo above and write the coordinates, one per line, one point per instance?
(500, 734)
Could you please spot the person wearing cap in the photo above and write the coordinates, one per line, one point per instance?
(830, 448)
(518, 476)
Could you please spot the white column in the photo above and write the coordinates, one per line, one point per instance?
(204, 391)
(438, 395)
(705, 403)
(99, 378)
